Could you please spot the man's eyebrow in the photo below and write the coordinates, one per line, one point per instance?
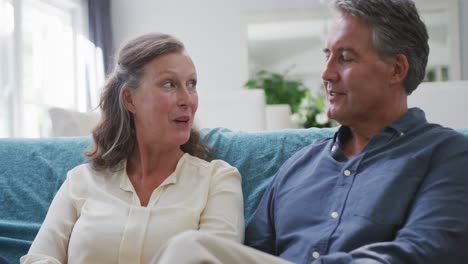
(327, 51)
(346, 49)
(341, 49)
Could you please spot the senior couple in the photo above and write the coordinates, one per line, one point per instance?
(388, 187)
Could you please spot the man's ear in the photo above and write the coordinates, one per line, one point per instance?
(400, 69)
(127, 97)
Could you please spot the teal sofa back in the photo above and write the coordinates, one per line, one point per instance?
(32, 170)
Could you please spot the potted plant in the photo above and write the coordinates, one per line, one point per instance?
(278, 88)
(305, 110)
(311, 112)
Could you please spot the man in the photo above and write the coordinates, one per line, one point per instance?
(388, 187)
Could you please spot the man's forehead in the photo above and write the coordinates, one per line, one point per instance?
(348, 33)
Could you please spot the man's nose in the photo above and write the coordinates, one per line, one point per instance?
(330, 73)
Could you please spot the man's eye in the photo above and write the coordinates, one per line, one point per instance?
(346, 59)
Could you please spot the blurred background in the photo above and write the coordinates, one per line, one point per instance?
(56, 53)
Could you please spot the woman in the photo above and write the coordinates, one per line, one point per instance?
(150, 175)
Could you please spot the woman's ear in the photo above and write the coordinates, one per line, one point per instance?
(400, 69)
(127, 97)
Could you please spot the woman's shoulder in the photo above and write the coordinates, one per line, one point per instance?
(215, 171)
(81, 171)
(213, 164)
(86, 175)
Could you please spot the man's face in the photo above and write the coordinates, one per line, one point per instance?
(356, 80)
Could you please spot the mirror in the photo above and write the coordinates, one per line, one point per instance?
(292, 42)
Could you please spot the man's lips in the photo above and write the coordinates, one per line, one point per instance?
(335, 93)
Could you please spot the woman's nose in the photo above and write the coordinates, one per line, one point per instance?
(184, 96)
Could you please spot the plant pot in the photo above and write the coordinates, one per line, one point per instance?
(277, 117)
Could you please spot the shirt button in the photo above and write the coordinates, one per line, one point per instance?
(315, 255)
(347, 173)
(402, 134)
(334, 215)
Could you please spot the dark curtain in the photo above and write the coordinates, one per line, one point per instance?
(100, 30)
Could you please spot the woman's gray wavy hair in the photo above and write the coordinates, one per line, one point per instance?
(114, 137)
(396, 29)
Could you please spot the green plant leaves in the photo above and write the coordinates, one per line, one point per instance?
(278, 88)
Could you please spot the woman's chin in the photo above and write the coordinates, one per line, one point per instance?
(182, 139)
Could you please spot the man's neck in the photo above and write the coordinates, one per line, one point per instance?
(362, 132)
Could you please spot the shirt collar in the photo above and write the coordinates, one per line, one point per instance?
(411, 119)
(126, 184)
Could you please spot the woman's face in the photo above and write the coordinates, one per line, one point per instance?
(165, 102)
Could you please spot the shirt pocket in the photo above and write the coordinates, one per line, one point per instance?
(384, 196)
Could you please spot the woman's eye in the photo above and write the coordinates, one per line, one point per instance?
(192, 84)
(168, 84)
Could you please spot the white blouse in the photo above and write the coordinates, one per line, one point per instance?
(96, 216)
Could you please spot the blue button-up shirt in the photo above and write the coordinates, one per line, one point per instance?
(403, 199)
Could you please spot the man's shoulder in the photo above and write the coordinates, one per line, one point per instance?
(437, 134)
(306, 156)
(440, 144)
(312, 149)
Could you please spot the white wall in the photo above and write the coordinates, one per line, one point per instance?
(213, 31)
(209, 28)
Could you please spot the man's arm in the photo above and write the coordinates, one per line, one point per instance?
(260, 232)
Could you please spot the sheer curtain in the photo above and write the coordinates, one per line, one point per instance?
(7, 77)
(52, 54)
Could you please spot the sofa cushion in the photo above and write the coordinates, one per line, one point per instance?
(258, 155)
(31, 171)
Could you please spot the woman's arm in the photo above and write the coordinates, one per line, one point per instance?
(224, 211)
(51, 242)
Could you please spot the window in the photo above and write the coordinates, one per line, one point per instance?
(41, 63)
(6, 66)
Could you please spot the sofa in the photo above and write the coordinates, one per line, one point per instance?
(32, 170)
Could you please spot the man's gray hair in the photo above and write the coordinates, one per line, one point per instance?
(396, 29)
